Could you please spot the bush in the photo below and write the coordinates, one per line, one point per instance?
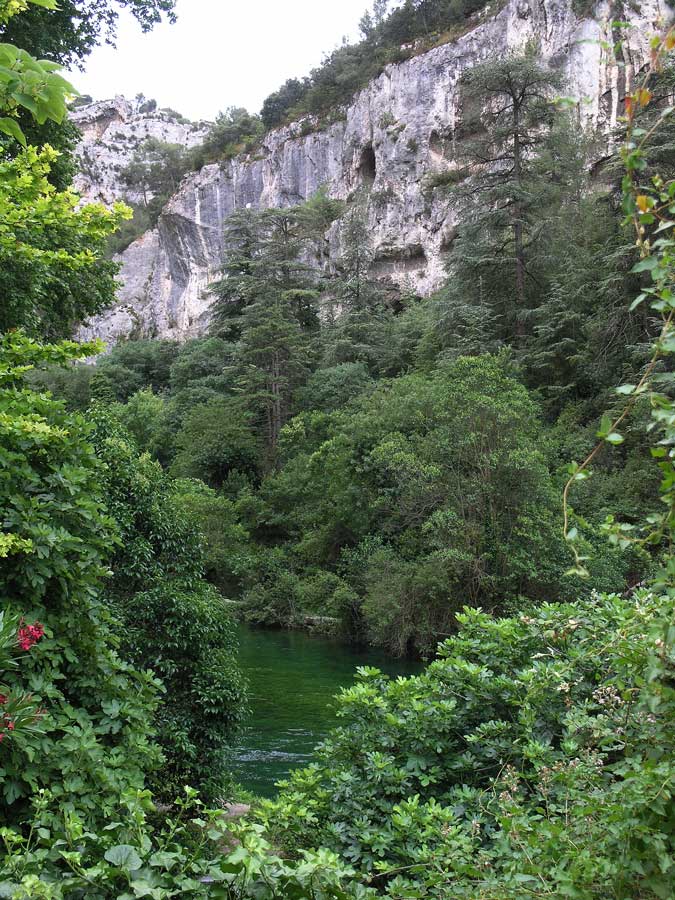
(190, 855)
(215, 440)
(227, 556)
(536, 753)
(146, 416)
(171, 620)
(96, 730)
(186, 636)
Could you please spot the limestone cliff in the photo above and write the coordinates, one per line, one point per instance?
(111, 132)
(396, 132)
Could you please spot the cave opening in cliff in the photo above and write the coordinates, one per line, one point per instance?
(367, 164)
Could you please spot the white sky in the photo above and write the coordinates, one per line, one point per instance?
(219, 53)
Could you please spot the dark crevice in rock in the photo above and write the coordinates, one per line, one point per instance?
(368, 165)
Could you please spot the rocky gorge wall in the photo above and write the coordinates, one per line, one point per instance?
(111, 132)
(396, 133)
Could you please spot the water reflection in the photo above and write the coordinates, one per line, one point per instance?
(293, 679)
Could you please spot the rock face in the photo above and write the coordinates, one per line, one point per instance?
(396, 133)
(111, 131)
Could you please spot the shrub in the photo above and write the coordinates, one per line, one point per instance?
(215, 440)
(227, 555)
(95, 738)
(536, 752)
(190, 855)
(172, 621)
(186, 636)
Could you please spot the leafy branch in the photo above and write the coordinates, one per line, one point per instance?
(649, 207)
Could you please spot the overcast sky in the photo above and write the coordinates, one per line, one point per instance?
(220, 53)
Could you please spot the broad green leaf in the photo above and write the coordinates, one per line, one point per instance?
(646, 265)
(124, 856)
(11, 127)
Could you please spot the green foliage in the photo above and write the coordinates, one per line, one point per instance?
(216, 440)
(234, 131)
(183, 632)
(330, 389)
(32, 85)
(268, 302)
(145, 416)
(508, 115)
(424, 494)
(201, 362)
(152, 175)
(227, 555)
(387, 37)
(62, 137)
(50, 250)
(190, 855)
(536, 751)
(52, 274)
(95, 731)
(172, 621)
(133, 365)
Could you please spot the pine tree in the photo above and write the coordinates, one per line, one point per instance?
(267, 300)
(274, 359)
(269, 252)
(508, 114)
(357, 301)
(241, 275)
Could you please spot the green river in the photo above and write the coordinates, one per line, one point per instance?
(293, 678)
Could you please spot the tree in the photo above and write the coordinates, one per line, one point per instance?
(171, 620)
(356, 305)
(508, 113)
(354, 288)
(62, 137)
(425, 493)
(273, 360)
(228, 551)
(215, 441)
(268, 301)
(243, 276)
(134, 365)
(277, 105)
(155, 171)
(233, 131)
(52, 271)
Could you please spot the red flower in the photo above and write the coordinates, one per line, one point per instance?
(27, 635)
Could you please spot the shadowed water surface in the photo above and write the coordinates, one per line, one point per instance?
(293, 678)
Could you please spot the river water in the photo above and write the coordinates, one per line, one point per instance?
(293, 678)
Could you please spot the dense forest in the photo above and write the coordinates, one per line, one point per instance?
(482, 478)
